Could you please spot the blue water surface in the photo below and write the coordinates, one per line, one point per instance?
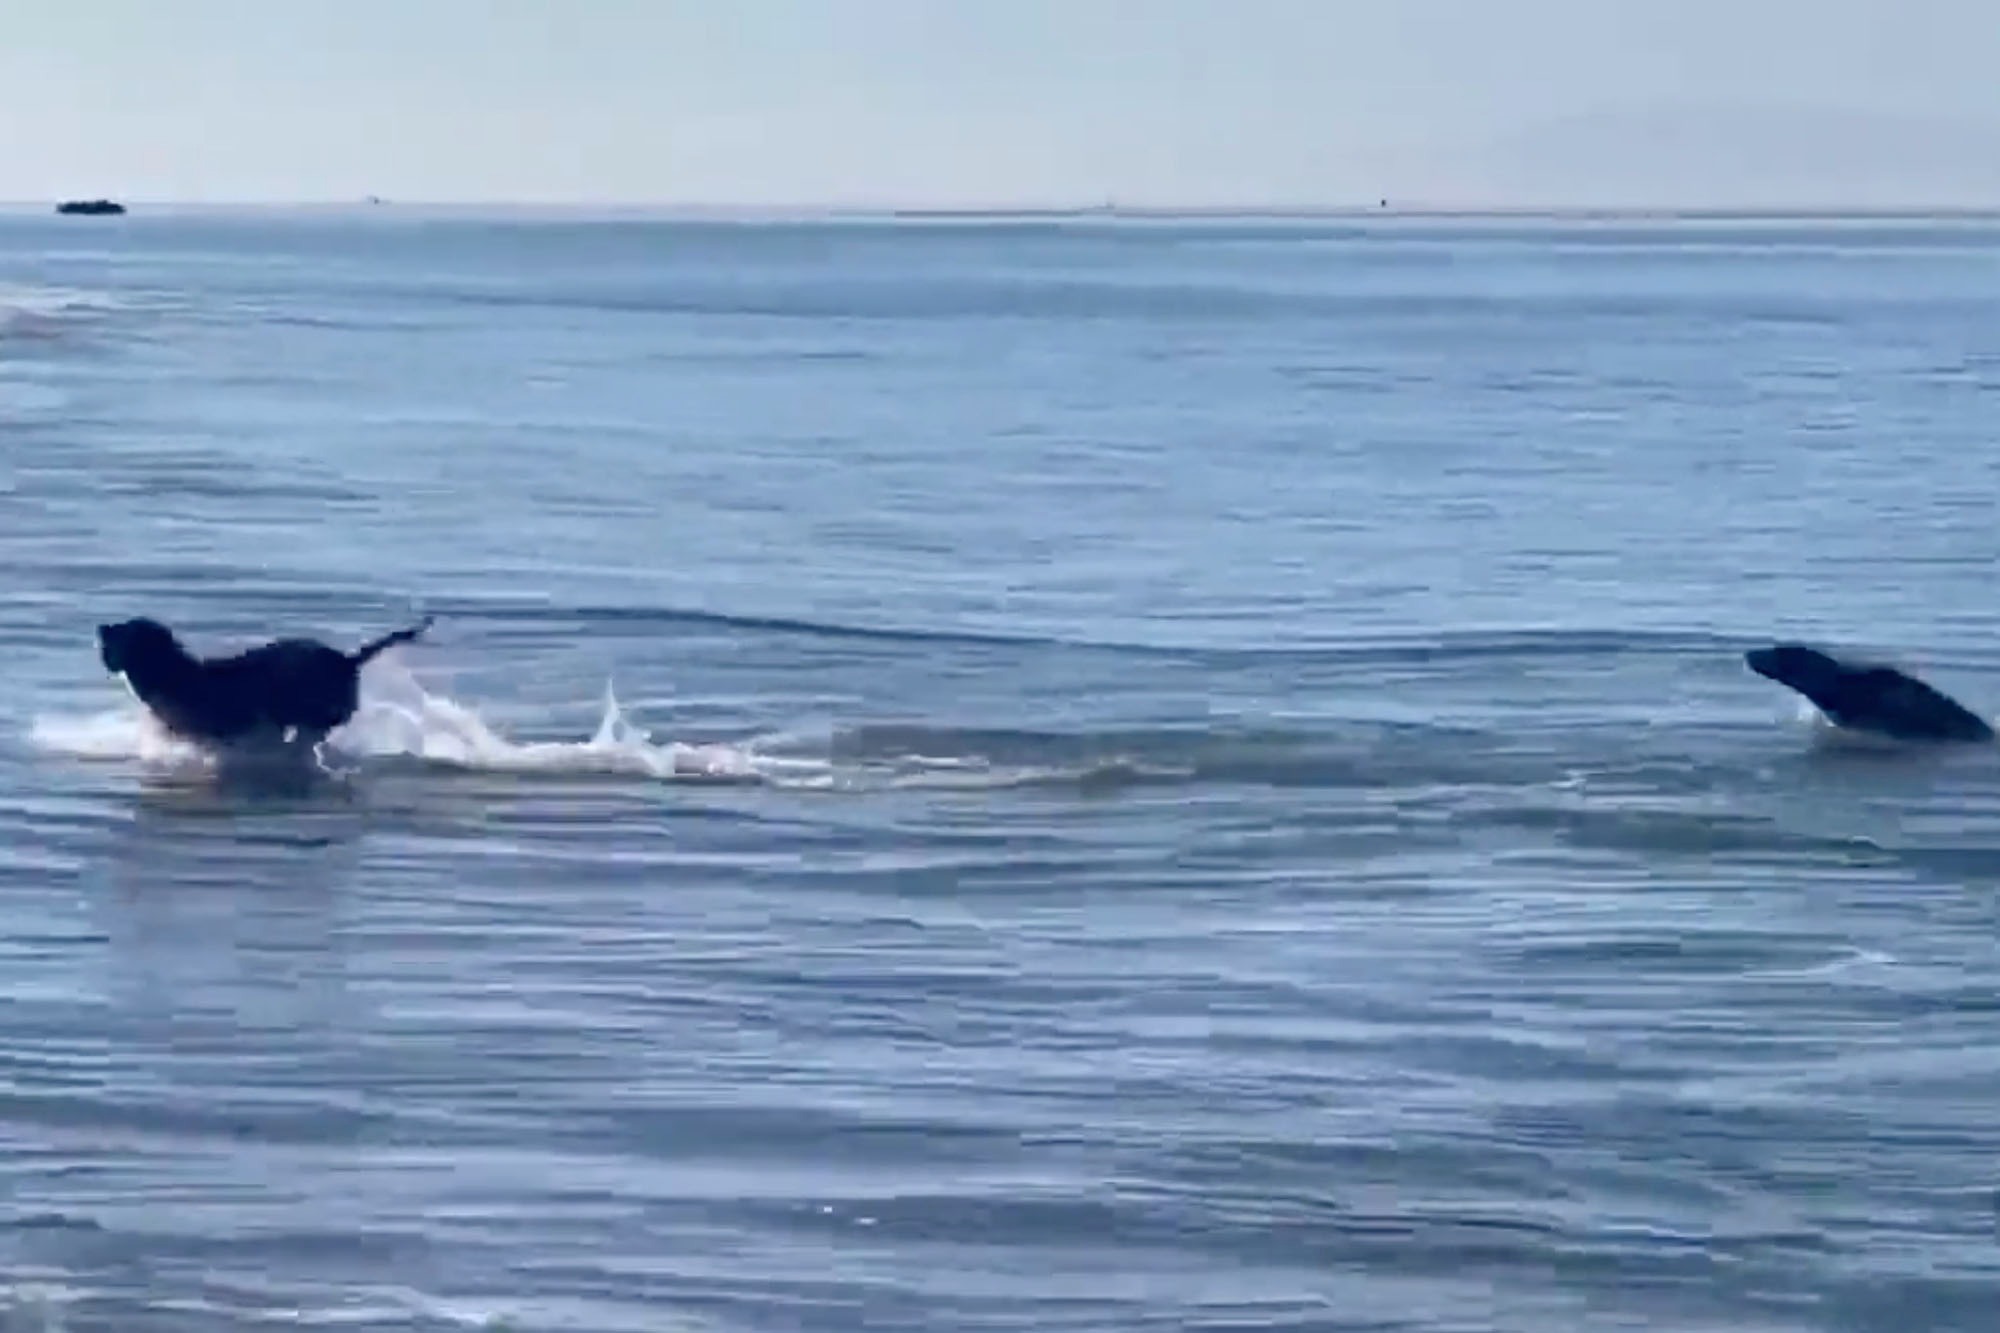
(1078, 774)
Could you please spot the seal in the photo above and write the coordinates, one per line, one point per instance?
(1867, 696)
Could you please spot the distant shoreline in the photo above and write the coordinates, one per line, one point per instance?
(1043, 213)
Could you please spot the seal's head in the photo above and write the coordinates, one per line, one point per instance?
(1807, 670)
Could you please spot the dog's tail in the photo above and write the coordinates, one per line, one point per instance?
(361, 655)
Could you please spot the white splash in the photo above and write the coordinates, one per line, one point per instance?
(400, 720)
(128, 732)
(401, 723)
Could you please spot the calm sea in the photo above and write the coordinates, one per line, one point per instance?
(1003, 775)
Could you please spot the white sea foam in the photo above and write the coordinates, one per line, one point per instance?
(400, 720)
(402, 723)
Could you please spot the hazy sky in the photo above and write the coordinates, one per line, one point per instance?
(1004, 101)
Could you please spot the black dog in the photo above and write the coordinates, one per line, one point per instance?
(1863, 696)
(292, 691)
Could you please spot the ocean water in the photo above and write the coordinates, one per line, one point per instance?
(1045, 775)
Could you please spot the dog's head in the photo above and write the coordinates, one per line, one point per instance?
(138, 647)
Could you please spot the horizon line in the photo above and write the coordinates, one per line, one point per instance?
(914, 211)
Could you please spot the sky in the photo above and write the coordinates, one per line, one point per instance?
(975, 103)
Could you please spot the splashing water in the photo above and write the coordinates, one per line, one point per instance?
(400, 720)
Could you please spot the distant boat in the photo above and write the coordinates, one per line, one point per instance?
(91, 208)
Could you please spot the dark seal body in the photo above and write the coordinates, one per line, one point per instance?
(1863, 696)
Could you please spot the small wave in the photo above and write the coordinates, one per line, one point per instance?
(1849, 959)
(1371, 650)
(365, 1308)
(46, 312)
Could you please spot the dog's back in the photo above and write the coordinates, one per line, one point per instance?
(290, 683)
